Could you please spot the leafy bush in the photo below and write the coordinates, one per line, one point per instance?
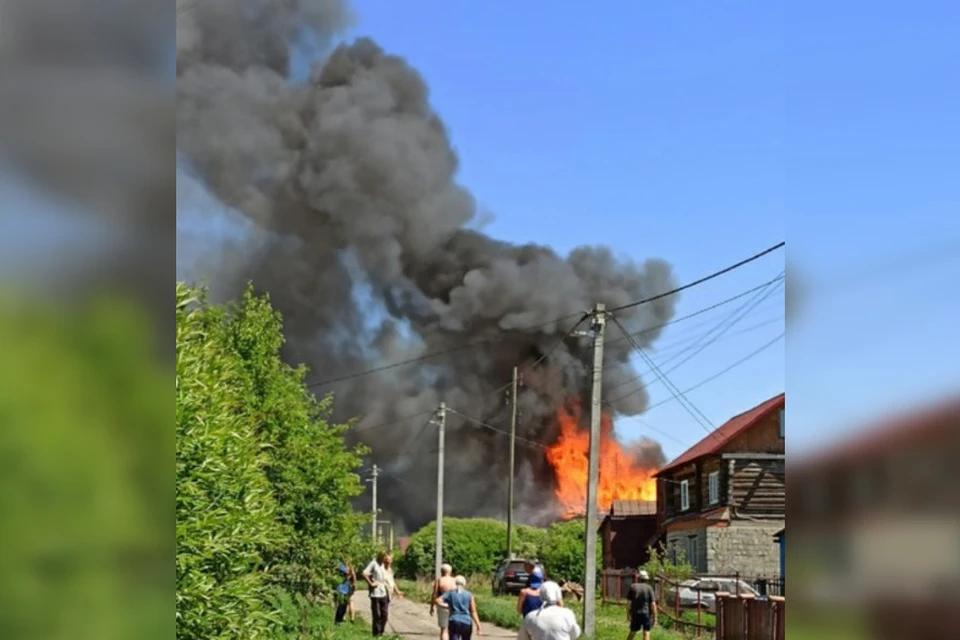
(660, 564)
(473, 546)
(470, 545)
(562, 551)
(264, 482)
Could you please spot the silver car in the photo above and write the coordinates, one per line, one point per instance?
(704, 590)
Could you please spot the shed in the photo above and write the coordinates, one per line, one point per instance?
(626, 532)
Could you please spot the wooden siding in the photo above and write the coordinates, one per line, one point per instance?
(763, 437)
(759, 487)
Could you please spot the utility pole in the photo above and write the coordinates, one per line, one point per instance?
(513, 444)
(593, 471)
(376, 474)
(442, 423)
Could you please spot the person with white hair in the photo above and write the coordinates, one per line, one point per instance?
(442, 585)
(552, 621)
(642, 607)
(463, 610)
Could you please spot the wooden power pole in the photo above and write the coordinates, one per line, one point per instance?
(513, 444)
(593, 474)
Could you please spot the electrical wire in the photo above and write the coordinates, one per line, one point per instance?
(691, 408)
(722, 372)
(720, 329)
(713, 275)
(496, 391)
(703, 310)
(483, 341)
(481, 423)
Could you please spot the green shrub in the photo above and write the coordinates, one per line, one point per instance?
(562, 551)
(470, 545)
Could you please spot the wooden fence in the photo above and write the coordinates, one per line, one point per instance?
(737, 616)
(745, 617)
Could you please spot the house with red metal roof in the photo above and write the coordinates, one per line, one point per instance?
(721, 502)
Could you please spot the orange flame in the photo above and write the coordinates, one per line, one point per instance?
(620, 477)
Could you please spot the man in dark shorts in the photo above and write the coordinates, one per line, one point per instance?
(642, 607)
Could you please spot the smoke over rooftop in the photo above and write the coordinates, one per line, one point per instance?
(368, 246)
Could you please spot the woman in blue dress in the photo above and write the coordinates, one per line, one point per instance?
(345, 591)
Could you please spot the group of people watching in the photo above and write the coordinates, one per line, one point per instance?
(540, 603)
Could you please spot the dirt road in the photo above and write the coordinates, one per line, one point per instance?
(410, 619)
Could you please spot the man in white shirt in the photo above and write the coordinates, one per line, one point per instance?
(379, 577)
(552, 621)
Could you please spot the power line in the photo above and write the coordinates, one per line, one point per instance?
(433, 354)
(483, 341)
(694, 412)
(703, 310)
(496, 391)
(481, 423)
(724, 326)
(726, 370)
(713, 275)
(549, 351)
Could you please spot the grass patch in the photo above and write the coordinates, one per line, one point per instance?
(300, 619)
(502, 610)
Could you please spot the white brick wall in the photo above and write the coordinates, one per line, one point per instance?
(746, 548)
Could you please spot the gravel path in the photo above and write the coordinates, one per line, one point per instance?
(410, 619)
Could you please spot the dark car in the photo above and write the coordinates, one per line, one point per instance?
(511, 576)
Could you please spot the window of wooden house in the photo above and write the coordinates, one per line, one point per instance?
(713, 487)
(684, 495)
(783, 433)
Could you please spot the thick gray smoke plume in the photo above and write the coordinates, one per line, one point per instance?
(352, 179)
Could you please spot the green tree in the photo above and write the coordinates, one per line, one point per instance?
(264, 481)
(562, 551)
(225, 507)
(313, 475)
